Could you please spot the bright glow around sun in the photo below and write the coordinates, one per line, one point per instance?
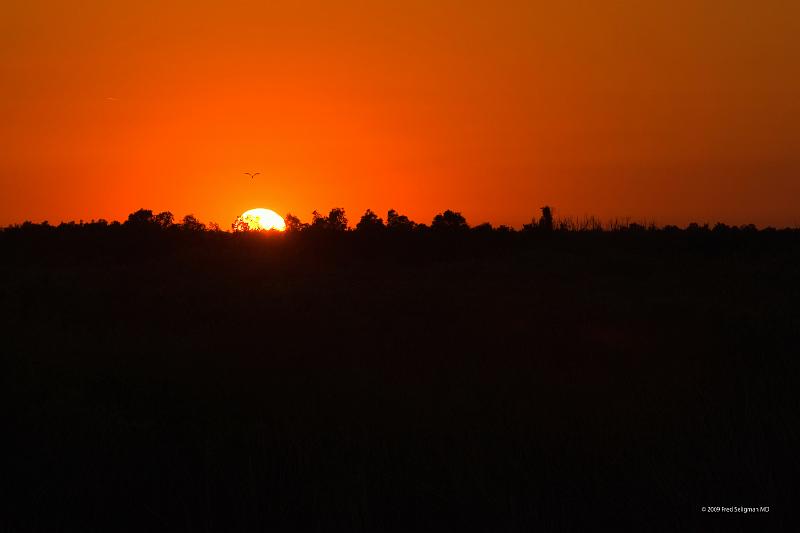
(261, 219)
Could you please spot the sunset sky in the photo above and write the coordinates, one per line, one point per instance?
(670, 111)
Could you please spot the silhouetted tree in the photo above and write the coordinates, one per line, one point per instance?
(190, 223)
(164, 219)
(449, 221)
(719, 227)
(140, 218)
(396, 221)
(694, 227)
(318, 220)
(239, 225)
(370, 222)
(293, 223)
(335, 221)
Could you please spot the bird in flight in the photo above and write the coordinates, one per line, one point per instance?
(252, 174)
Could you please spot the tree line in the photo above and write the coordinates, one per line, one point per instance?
(370, 223)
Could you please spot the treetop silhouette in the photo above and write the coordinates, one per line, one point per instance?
(448, 222)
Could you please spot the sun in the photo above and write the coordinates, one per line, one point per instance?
(259, 219)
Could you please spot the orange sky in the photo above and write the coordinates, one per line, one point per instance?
(670, 111)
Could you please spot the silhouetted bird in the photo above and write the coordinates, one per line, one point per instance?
(252, 174)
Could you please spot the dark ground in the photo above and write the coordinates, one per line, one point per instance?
(559, 382)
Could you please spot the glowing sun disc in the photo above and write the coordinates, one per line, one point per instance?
(263, 219)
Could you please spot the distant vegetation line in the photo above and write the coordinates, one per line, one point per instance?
(370, 223)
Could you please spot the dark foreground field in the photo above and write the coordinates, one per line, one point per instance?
(498, 382)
